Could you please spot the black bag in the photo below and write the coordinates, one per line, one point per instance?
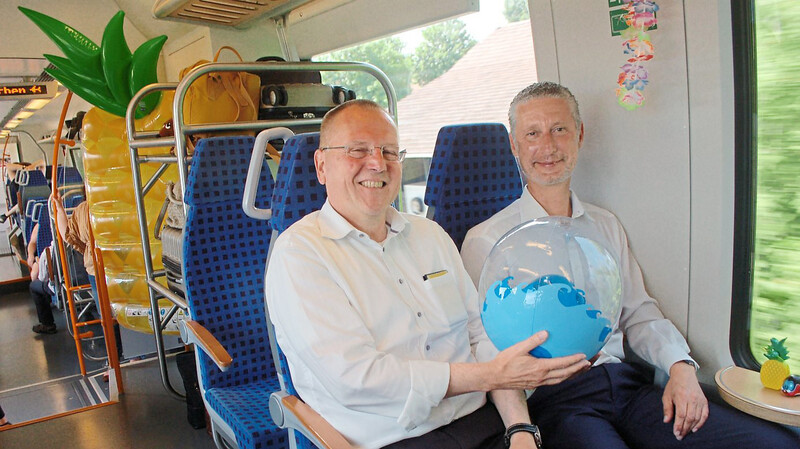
(196, 410)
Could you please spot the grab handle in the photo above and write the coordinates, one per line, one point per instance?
(254, 171)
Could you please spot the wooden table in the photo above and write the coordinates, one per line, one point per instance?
(742, 389)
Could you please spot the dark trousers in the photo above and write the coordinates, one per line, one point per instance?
(481, 429)
(42, 294)
(617, 406)
(612, 406)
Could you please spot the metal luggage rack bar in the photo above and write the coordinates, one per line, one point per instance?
(150, 139)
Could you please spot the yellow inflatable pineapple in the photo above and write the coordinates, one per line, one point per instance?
(108, 75)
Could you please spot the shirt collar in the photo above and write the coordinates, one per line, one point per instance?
(333, 226)
(531, 209)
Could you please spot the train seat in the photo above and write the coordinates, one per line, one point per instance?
(224, 255)
(31, 216)
(297, 193)
(473, 175)
(68, 176)
(44, 240)
(41, 216)
(32, 186)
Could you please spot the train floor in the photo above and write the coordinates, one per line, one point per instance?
(40, 377)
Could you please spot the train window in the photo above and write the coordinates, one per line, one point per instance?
(445, 74)
(767, 250)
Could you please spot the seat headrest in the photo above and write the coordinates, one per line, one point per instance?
(36, 178)
(297, 191)
(218, 171)
(472, 162)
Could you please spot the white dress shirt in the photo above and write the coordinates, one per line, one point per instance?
(649, 334)
(368, 338)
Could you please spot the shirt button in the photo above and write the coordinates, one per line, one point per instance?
(400, 281)
(361, 235)
(427, 347)
(419, 314)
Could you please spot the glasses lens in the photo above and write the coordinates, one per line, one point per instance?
(358, 152)
(391, 152)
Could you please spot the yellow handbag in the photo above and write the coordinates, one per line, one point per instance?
(221, 97)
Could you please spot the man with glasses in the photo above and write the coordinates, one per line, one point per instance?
(378, 318)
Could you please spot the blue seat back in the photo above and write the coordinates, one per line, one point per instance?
(473, 176)
(224, 255)
(36, 178)
(29, 218)
(66, 176)
(35, 189)
(72, 201)
(45, 236)
(13, 188)
(297, 191)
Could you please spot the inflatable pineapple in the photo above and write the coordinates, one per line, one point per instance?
(107, 76)
(775, 370)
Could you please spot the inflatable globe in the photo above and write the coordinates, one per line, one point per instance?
(551, 274)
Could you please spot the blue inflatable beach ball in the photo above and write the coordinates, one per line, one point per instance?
(551, 274)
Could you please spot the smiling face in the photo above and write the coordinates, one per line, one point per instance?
(360, 190)
(546, 140)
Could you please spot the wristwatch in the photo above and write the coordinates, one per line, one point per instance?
(690, 362)
(524, 427)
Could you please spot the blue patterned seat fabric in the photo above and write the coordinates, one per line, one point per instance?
(45, 237)
(473, 176)
(29, 218)
(68, 176)
(225, 253)
(35, 189)
(297, 193)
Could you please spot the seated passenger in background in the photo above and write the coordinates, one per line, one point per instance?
(40, 289)
(614, 404)
(377, 317)
(76, 231)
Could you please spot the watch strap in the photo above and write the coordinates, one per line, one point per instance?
(524, 427)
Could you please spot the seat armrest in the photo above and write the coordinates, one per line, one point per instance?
(194, 332)
(291, 412)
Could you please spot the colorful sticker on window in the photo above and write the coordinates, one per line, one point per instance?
(639, 17)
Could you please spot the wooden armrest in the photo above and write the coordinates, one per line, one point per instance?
(196, 333)
(294, 411)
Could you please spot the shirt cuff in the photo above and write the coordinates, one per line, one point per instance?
(671, 356)
(429, 382)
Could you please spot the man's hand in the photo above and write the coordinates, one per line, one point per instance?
(517, 369)
(514, 369)
(684, 400)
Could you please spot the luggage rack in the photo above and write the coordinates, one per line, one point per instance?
(182, 130)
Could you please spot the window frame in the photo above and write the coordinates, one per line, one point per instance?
(745, 164)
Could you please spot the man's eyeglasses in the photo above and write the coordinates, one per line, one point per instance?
(390, 153)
